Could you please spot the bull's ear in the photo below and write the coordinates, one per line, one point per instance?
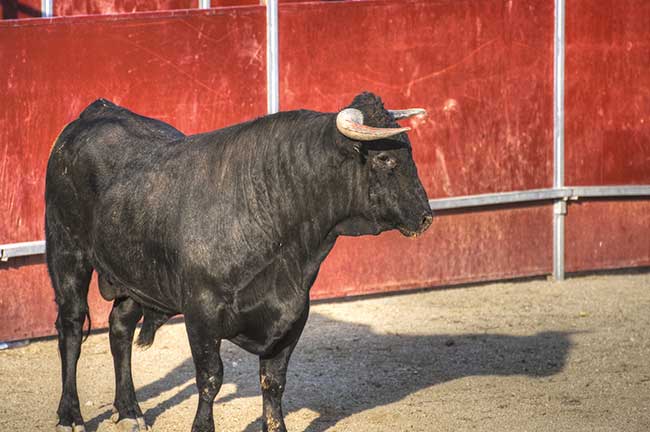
(350, 123)
(406, 113)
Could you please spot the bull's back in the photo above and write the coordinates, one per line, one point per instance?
(90, 153)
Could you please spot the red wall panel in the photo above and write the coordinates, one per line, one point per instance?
(27, 300)
(608, 234)
(459, 247)
(198, 70)
(217, 3)
(607, 130)
(20, 9)
(483, 70)
(12, 9)
(97, 7)
(608, 92)
(80, 7)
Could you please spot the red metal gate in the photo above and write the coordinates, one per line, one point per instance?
(483, 69)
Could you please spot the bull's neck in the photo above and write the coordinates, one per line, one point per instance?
(308, 183)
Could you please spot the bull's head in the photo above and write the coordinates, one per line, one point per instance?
(395, 196)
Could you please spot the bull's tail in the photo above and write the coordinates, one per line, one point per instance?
(90, 325)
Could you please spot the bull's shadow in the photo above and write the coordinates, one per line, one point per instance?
(339, 369)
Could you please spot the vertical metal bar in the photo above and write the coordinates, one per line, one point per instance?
(272, 60)
(559, 215)
(47, 8)
(204, 4)
(559, 208)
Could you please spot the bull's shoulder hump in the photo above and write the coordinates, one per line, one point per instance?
(99, 108)
(105, 111)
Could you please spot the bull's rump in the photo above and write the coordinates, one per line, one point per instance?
(102, 150)
(98, 146)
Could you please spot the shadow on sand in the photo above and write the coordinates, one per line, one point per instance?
(339, 369)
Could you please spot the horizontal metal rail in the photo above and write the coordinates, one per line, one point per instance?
(468, 201)
(13, 250)
(609, 191)
(566, 193)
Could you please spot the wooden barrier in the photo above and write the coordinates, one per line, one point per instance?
(484, 73)
(198, 70)
(483, 70)
(608, 130)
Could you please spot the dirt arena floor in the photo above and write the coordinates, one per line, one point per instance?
(515, 356)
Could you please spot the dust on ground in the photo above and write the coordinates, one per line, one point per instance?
(516, 356)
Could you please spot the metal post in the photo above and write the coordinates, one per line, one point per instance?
(204, 4)
(559, 208)
(272, 60)
(47, 8)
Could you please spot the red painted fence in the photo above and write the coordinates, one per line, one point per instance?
(483, 70)
(199, 70)
(608, 130)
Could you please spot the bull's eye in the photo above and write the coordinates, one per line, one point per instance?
(385, 161)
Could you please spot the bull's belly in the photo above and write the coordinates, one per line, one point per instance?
(274, 336)
(149, 287)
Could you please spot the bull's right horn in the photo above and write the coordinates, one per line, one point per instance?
(406, 113)
(350, 123)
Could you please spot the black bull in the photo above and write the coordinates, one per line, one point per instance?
(228, 228)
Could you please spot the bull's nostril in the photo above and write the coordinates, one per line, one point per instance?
(426, 222)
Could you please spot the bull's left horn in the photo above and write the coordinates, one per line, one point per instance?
(406, 113)
(350, 123)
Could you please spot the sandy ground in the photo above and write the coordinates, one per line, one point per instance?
(516, 356)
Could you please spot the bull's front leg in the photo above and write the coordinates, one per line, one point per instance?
(273, 377)
(205, 345)
(273, 373)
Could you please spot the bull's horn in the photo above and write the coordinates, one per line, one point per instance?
(350, 123)
(406, 113)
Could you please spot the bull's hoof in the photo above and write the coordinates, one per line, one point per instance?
(128, 424)
(115, 416)
(142, 424)
(132, 425)
(73, 428)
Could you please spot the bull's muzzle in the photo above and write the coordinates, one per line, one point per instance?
(425, 223)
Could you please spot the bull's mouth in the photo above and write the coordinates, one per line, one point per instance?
(409, 233)
(425, 224)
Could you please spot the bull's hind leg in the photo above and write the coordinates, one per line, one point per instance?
(124, 317)
(70, 273)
